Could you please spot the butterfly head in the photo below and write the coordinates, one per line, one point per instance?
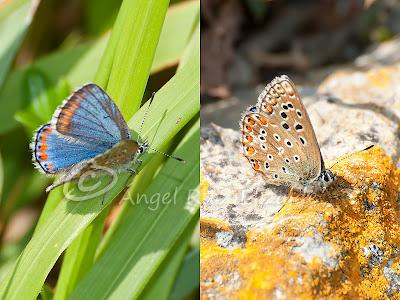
(143, 147)
(316, 185)
(326, 179)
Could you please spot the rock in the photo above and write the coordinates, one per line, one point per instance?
(260, 241)
(386, 53)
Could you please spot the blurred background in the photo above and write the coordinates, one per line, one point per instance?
(246, 43)
(49, 48)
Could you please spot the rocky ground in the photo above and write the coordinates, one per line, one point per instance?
(262, 242)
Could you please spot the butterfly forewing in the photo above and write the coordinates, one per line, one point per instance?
(89, 115)
(282, 145)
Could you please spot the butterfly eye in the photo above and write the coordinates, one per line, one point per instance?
(326, 178)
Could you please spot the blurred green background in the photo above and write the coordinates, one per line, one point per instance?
(50, 248)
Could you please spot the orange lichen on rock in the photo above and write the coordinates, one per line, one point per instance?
(343, 244)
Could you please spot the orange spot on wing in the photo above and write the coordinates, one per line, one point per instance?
(47, 130)
(43, 147)
(67, 113)
(250, 150)
(43, 138)
(262, 121)
(256, 166)
(250, 121)
(248, 139)
(43, 156)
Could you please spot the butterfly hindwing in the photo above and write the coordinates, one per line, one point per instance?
(53, 154)
(266, 152)
(89, 115)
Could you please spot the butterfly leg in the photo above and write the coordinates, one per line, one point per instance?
(136, 164)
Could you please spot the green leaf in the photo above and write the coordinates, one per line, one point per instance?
(188, 277)
(14, 23)
(76, 66)
(100, 15)
(163, 280)
(44, 99)
(176, 33)
(46, 293)
(176, 103)
(79, 257)
(149, 229)
(127, 62)
(1, 177)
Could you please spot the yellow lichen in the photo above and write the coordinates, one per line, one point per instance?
(203, 188)
(359, 211)
(380, 77)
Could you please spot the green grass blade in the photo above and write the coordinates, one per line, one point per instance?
(163, 280)
(175, 35)
(188, 278)
(78, 258)
(148, 230)
(127, 62)
(177, 102)
(13, 27)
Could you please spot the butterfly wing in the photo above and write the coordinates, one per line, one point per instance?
(53, 154)
(280, 128)
(283, 98)
(265, 153)
(89, 115)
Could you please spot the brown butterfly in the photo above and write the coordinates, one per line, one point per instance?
(279, 141)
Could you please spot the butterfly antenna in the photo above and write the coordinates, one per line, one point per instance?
(168, 155)
(144, 118)
(348, 155)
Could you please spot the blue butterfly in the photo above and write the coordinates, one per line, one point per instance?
(86, 131)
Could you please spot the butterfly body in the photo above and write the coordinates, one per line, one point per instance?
(278, 140)
(87, 133)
